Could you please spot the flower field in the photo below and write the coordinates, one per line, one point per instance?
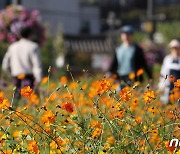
(88, 115)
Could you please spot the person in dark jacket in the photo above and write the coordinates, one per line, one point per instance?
(128, 58)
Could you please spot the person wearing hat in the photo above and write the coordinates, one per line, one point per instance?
(170, 69)
(128, 58)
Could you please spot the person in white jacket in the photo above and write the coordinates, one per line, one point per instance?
(170, 67)
(23, 61)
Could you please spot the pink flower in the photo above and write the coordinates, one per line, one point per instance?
(35, 13)
(11, 38)
(12, 19)
(2, 36)
(24, 15)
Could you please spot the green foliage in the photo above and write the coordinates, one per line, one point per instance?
(48, 54)
(171, 12)
(132, 14)
(58, 42)
(140, 36)
(3, 49)
(169, 30)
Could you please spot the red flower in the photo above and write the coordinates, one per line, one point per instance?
(67, 106)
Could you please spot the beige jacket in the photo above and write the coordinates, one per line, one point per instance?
(23, 57)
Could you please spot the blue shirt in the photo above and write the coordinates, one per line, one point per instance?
(125, 58)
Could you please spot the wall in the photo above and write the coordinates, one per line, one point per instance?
(69, 13)
(57, 11)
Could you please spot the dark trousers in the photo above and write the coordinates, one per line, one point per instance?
(125, 81)
(28, 80)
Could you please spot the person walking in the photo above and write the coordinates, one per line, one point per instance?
(170, 71)
(128, 58)
(23, 61)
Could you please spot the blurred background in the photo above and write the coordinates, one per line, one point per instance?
(84, 33)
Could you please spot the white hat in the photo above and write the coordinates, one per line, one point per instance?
(174, 43)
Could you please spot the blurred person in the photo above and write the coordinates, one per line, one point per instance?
(170, 69)
(23, 61)
(128, 58)
(150, 51)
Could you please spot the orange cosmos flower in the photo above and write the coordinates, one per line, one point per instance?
(107, 146)
(34, 99)
(16, 134)
(52, 85)
(98, 128)
(177, 131)
(154, 139)
(125, 94)
(138, 119)
(148, 96)
(168, 147)
(111, 140)
(26, 132)
(95, 123)
(177, 83)
(53, 97)
(44, 80)
(97, 132)
(63, 80)
(4, 103)
(7, 152)
(119, 114)
(152, 109)
(67, 106)
(26, 92)
(174, 96)
(48, 117)
(73, 85)
(56, 144)
(154, 136)
(67, 96)
(1, 94)
(21, 76)
(128, 127)
(84, 87)
(170, 114)
(131, 76)
(2, 142)
(171, 78)
(141, 145)
(103, 86)
(139, 72)
(134, 103)
(32, 146)
(118, 106)
(1, 99)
